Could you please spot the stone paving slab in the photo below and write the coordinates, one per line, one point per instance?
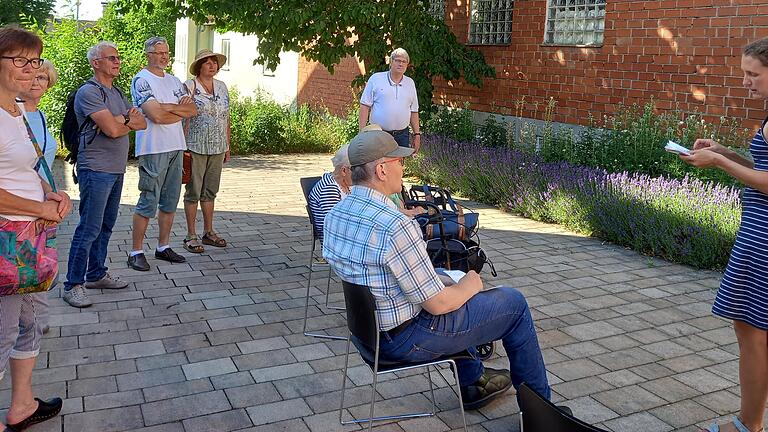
(216, 344)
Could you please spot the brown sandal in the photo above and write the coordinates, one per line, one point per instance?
(213, 239)
(192, 244)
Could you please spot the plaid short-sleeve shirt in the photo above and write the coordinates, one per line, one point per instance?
(369, 242)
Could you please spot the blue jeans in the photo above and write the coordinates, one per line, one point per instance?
(499, 313)
(402, 137)
(99, 205)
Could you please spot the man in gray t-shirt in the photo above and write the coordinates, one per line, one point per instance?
(98, 151)
(106, 118)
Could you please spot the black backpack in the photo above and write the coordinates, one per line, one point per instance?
(71, 131)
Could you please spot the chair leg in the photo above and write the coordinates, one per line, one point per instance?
(306, 300)
(432, 388)
(373, 401)
(458, 392)
(328, 291)
(344, 381)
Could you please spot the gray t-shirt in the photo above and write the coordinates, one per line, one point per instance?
(103, 154)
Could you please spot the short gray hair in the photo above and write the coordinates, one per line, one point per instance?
(149, 45)
(399, 52)
(363, 173)
(341, 158)
(95, 51)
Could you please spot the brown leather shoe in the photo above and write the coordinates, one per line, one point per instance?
(491, 384)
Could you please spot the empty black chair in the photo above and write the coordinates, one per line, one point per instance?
(537, 414)
(307, 183)
(364, 325)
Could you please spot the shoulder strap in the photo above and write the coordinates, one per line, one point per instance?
(40, 155)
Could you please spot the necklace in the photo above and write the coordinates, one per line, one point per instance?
(208, 88)
(13, 109)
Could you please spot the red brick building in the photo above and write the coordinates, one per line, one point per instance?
(598, 54)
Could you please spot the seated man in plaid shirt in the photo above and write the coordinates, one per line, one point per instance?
(421, 316)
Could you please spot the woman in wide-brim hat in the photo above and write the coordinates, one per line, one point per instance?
(208, 141)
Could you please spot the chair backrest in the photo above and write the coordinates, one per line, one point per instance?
(307, 183)
(541, 415)
(361, 313)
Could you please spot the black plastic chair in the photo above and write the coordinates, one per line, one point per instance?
(364, 325)
(537, 414)
(307, 183)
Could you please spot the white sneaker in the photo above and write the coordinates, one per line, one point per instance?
(107, 282)
(76, 297)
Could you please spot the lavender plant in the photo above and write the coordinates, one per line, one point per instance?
(683, 220)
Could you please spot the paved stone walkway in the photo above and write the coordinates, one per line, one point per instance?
(216, 344)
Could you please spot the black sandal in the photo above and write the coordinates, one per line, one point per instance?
(45, 410)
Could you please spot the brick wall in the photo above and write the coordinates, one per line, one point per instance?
(682, 53)
(318, 87)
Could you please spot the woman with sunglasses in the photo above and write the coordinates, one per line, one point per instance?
(26, 201)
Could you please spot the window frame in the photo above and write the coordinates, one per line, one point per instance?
(508, 6)
(595, 4)
(225, 66)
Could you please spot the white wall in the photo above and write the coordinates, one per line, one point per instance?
(239, 72)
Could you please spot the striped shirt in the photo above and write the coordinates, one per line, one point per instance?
(369, 242)
(325, 194)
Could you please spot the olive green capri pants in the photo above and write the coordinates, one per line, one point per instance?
(205, 179)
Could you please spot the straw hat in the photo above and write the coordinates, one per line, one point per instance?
(202, 55)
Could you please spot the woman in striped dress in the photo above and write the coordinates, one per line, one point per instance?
(743, 293)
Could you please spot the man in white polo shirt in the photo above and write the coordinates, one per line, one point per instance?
(165, 102)
(390, 100)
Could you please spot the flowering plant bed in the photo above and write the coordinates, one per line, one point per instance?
(682, 220)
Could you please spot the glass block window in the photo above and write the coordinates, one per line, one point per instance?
(225, 51)
(491, 22)
(575, 22)
(437, 9)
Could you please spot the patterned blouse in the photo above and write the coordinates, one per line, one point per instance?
(208, 129)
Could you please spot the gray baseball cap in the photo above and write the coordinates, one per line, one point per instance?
(371, 145)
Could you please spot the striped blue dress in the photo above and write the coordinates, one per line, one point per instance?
(743, 293)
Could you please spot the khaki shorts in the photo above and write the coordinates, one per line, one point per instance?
(205, 179)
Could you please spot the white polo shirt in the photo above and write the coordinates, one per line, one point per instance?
(391, 103)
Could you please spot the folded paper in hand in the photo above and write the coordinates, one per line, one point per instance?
(455, 275)
(674, 147)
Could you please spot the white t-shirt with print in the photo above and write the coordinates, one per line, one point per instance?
(158, 138)
(17, 162)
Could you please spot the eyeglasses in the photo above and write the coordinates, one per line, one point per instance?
(401, 160)
(20, 62)
(113, 59)
(42, 78)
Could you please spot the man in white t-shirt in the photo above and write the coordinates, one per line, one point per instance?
(165, 102)
(390, 100)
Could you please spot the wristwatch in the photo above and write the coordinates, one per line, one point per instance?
(127, 119)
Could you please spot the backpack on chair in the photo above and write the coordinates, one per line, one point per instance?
(71, 131)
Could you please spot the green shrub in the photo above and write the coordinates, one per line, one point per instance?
(633, 140)
(261, 125)
(492, 133)
(455, 123)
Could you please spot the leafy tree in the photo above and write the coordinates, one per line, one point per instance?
(329, 30)
(66, 43)
(13, 11)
